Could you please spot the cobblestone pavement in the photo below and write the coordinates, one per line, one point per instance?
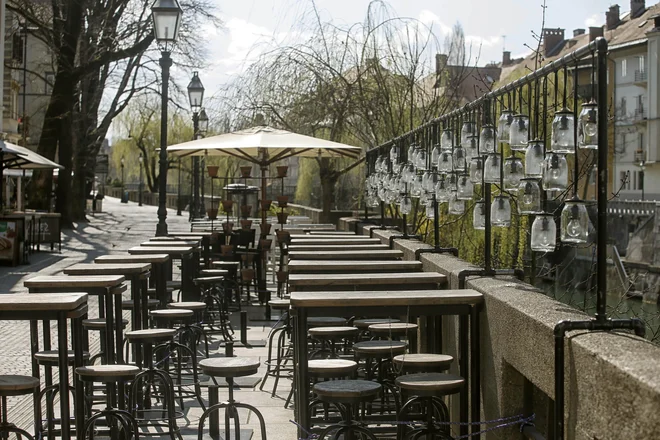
(117, 229)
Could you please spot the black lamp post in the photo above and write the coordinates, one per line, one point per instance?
(122, 171)
(140, 160)
(124, 199)
(195, 96)
(167, 19)
(178, 191)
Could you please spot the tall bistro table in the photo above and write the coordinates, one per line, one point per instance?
(465, 303)
(366, 281)
(352, 266)
(59, 307)
(346, 255)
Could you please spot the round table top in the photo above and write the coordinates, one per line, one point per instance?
(229, 367)
(431, 383)
(347, 389)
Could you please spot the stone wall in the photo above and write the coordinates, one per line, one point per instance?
(612, 379)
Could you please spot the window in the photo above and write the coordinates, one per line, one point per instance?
(623, 111)
(624, 180)
(50, 80)
(624, 68)
(642, 60)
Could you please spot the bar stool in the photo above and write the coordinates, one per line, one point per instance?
(422, 362)
(329, 369)
(113, 376)
(192, 330)
(277, 366)
(326, 321)
(395, 331)
(98, 324)
(363, 324)
(217, 301)
(328, 338)
(15, 385)
(229, 368)
(129, 304)
(427, 390)
(346, 395)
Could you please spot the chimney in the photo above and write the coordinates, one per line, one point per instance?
(440, 62)
(612, 17)
(551, 39)
(637, 8)
(578, 32)
(595, 32)
(506, 58)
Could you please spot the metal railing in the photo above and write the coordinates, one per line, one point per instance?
(640, 76)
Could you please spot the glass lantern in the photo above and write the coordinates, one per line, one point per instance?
(456, 206)
(504, 126)
(492, 168)
(435, 154)
(588, 126)
(423, 199)
(452, 182)
(574, 222)
(500, 212)
(544, 233)
(470, 148)
(447, 140)
(479, 215)
(412, 154)
(468, 130)
(446, 162)
(513, 172)
(394, 154)
(428, 181)
(465, 188)
(430, 211)
(460, 163)
(416, 189)
(563, 126)
(441, 192)
(519, 132)
(421, 159)
(476, 170)
(534, 156)
(487, 139)
(529, 196)
(409, 173)
(555, 172)
(406, 205)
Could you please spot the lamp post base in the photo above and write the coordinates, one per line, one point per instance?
(161, 229)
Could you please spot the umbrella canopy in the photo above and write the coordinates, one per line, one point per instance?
(17, 157)
(263, 145)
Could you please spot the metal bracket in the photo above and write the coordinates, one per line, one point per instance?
(437, 250)
(462, 275)
(403, 236)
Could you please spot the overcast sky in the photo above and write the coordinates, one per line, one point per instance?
(485, 22)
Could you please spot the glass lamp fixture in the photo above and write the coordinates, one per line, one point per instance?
(504, 126)
(519, 132)
(513, 172)
(441, 192)
(470, 148)
(423, 199)
(555, 172)
(195, 93)
(412, 153)
(409, 173)
(468, 130)
(430, 212)
(588, 126)
(465, 188)
(492, 168)
(446, 162)
(563, 126)
(529, 196)
(435, 154)
(456, 206)
(487, 139)
(447, 140)
(544, 233)
(203, 122)
(534, 156)
(574, 222)
(406, 205)
(382, 193)
(166, 16)
(394, 153)
(479, 215)
(500, 212)
(421, 159)
(476, 170)
(416, 189)
(390, 197)
(460, 163)
(452, 182)
(427, 181)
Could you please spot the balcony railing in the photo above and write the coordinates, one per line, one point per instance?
(639, 115)
(640, 76)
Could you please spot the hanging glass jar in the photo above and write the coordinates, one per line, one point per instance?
(574, 222)
(390, 196)
(504, 126)
(479, 215)
(471, 149)
(423, 199)
(519, 132)
(460, 163)
(476, 170)
(452, 182)
(588, 126)
(409, 174)
(563, 128)
(487, 139)
(416, 189)
(430, 211)
(394, 154)
(513, 172)
(406, 205)
(435, 154)
(447, 140)
(534, 156)
(421, 159)
(555, 172)
(465, 188)
(500, 212)
(544, 233)
(441, 192)
(492, 168)
(446, 162)
(456, 206)
(468, 130)
(428, 181)
(529, 196)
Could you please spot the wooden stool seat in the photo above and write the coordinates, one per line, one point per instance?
(324, 321)
(52, 357)
(229, 367)
(172, 314)
(208, 280)
(99, 323)
(176, 285)
(365, 323)
(333, 332)
(16, 385)
(279, 304)
(128, 304)
(423, 362)
(392, 328)
(430, 384)
(214, 272)
(189, 305)
(329, 368)
(152, 335)
(151, 291)
(107, 373)
(347, 391)
(379, 348)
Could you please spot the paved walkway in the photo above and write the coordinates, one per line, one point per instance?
(123, 226)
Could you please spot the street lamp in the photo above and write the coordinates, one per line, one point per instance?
(167, 19)
(140, 160)
(124, 199)
(196, 96)
(203, 123)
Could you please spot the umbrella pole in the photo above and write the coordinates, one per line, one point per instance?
(264, 253)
